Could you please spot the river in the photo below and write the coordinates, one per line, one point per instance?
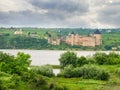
(43, 57)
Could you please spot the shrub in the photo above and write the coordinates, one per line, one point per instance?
(46, 70)
(118, 72)
(110, 59)
(101, 58)
(68, 58)
(93, 72)
(77, 72)
(86, 71)
(102, 75)
(67, 72)
(4, 74)
(113, 58)
(89, 71)
(81, 61)
(14, 65)
(91, 60)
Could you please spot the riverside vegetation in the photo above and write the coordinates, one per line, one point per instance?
(34, 38)
(98, 72)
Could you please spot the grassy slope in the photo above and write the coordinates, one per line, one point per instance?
(112, 39)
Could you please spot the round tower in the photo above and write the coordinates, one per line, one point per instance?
(98, 38)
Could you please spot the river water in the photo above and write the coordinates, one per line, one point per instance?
(43, 57)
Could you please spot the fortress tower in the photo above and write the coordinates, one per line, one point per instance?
(98, 38)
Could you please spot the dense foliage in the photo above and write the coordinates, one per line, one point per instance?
(86, 67)
(68, 58)
(16, 74)
(110, 59)
(14, 65)
(45, 70)
(86, 71)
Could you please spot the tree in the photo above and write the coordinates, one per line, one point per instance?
(68, 58)
(101, 58)
(81, 61)
(2, 41)
(21, 63)
(14, 65)
(113, 58)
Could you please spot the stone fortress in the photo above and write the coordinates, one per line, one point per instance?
(91, 40)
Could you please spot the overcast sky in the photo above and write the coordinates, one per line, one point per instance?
(60, 13)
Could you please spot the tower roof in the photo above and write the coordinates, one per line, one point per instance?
(97, 32)
(72, 32)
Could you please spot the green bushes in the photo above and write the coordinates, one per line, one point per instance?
(111, 59)
(118, 72)
(100, 58)
(67, 71)
(74, 66)
(86, 71)
(81, 61)
(46, 70)
(3, 74)
(68, 58)
(14, 65)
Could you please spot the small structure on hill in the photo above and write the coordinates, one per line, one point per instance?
(18, 32)
(54, 41)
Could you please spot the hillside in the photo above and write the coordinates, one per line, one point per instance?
(32, 38)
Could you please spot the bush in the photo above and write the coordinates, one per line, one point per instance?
(118, 72)
(111, 59)
(34, 81)
(14, 65)
(102, 75)
(77, 72)
(101, 58)
(81, 61)
(67, 71)
(91, 60)
(89, 71)
(46, 70)
(68, 58)
(86, 71)
(4, 74)
(93, 72)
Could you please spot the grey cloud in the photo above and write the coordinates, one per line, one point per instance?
(63, 5)
(110, 15)
(63, 13)
(63, 8)
(58, 11)
(26, 18)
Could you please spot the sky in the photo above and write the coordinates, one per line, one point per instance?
(60, 13)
